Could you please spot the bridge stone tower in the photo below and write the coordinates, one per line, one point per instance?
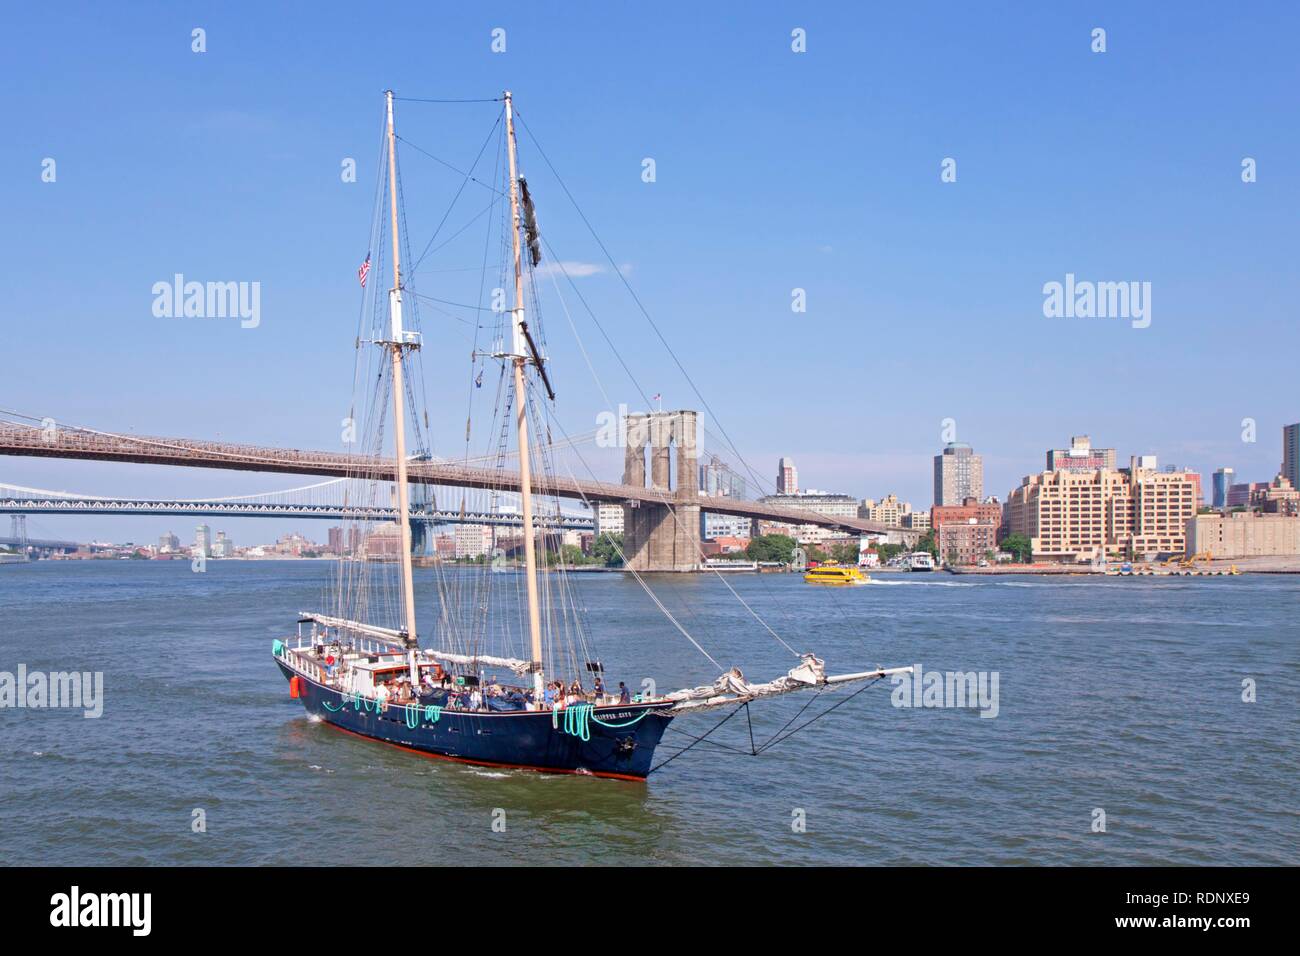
(657, 537)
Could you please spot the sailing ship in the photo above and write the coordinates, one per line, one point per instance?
(362, 667)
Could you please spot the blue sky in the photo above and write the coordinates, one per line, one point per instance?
(775, 171)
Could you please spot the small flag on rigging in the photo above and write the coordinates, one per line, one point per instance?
(478, 379)
(364, 271)
(656, 398)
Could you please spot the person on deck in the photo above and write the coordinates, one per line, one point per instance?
(624, 695)
(599, 689)
(548, 696)
(475, 700)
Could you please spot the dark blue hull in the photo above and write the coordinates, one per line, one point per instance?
(620, 740)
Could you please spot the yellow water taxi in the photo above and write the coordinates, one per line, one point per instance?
(835, 574)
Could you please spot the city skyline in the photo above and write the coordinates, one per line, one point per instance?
(48, 526)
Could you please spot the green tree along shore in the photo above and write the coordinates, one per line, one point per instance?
(606, 551)
(1020, 546)
(928, 543)
(772, 547)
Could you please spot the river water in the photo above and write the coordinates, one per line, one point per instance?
(1120, 696)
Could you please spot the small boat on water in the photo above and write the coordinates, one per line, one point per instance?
(835, 575)
(920, 561)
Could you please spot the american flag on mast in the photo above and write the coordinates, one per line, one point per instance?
(364, 271)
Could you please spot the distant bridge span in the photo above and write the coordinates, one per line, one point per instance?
(20, 501)
(70, 443)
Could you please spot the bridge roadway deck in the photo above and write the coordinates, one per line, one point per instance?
(33, 441)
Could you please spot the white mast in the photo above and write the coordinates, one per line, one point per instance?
(396, 345)
(518, 358)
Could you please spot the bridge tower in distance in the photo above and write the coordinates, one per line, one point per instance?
(657, 537)
(18, 531)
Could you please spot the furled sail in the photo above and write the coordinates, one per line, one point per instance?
(388, 634)
(530, 223)
(391, 636)
(732, 688)
(518, 666)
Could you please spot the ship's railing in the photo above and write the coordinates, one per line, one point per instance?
(303, 661)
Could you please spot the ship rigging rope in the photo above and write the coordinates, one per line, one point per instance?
(640, 305)
(482, 285)
(695, 743)
(637, 385)
(420, 99)
(676, 518)
(475, 218)
(413, 361)
(779, 736)
(609, 405)
(468, 177)
(645, 587)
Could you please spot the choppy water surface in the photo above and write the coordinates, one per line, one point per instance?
(1118, 694)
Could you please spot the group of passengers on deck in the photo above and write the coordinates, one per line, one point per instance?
(492, 696)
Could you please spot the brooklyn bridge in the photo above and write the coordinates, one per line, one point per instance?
(662, 515)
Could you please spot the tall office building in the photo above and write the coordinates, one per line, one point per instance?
(1080, 457)
(1240, 494)
(1222, 482)
(1277, 497)
(203, 541)
(888, 511)
(958, 474)
(1291, 454)
(1071, 515)
(472, 540)
(609, 518)
(724, 526)
(717, 480)
(787, 477)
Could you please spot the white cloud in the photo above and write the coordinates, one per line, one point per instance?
(574, 270)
